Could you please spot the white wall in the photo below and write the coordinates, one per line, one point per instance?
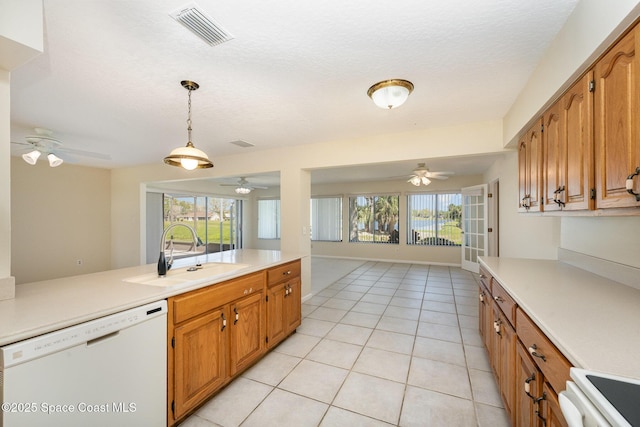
(521, 235)
(401, 251)
(59, 216)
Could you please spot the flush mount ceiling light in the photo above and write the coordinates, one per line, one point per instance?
(390, 93)
(189, 157)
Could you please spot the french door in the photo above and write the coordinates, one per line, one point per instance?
(474, 226)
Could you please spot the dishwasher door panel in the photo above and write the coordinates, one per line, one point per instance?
(118, 379)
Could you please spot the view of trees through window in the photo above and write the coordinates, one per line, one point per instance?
(214, 219)
(374, 219)
(435, 219)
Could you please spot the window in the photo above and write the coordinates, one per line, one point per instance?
(326, 219)
(434, 219)
(216, 221)
(269, 219)
(373, 219)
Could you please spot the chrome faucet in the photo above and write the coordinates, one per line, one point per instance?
(163, 264)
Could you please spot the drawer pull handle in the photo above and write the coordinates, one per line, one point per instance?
(527, 386)
(482, 276)
(286, 273)
(235, 310)
(629, 184)
(224, 322)
(498, 298)
(534, 353)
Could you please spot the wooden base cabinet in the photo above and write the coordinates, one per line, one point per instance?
(214, 333)
(284, 301)
(528, 368)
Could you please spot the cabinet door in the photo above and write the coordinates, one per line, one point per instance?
(553, 149)
(508, 367)
(530, 169)
(275, 314)
(246, 332)
(200, 356)
(577, 133)
(293, 305)
(616, 103)
(528, 389)
(551, 408)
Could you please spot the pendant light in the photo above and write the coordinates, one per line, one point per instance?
(189, 157)
(390, 93)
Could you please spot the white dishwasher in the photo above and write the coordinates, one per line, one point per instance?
(106, 372)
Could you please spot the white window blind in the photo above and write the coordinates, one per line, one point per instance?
(269, 219)
(434, 219)
(326, 219)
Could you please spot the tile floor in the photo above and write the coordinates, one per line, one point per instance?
(386, 344)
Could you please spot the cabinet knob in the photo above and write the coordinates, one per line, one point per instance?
(286, 273)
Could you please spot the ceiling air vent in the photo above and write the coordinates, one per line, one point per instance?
(243, 144)
(201, 24)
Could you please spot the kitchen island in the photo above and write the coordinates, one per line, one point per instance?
(46, 306)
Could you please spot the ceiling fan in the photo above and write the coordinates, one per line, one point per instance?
(243, 186)
(422, 176)
(43, 142)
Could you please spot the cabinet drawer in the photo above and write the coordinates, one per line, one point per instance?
(283, 272)
(504, 301)
(197, 302)
(485, 278)
(551, 362)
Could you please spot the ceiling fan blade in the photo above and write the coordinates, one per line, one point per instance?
(84, 153)
(441, 177)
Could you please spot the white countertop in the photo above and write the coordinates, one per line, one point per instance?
(594, 321)
(46, 306)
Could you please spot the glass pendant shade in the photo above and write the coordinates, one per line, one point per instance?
(390, 94)
(54, 160)
(188, 157)
(419, 180)
(31, 157)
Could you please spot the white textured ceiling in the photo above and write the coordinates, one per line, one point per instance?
(296, 72)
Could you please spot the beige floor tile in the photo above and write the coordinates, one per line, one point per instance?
(339, 303)
(335, 353)
(328, 314)
(375, 290)
(443, 307)
(468, 322)
(272, 368)
(316, 300)
(439, 318)
(438, 290)
(467, 310)
(471, 337)
(391, 341)
(337, 417)
(490, 416)
(393, 324)
(376, 299)
(298, 345)
(405, 302)
(440, 332)
(429, 408)
(409, 294)
(402, 312)
(315, 380)
(361, 319)
(477, 358)
(282, 408)
(315, 327)
(371, 396)
(485, 389)
(440, 376)
(350, 295)
(349, 334)
(196, 421)
(368, 307)
(431, 296)
(444, 351)
(384, 364)
(235, 402)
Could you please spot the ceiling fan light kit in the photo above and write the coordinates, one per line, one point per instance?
(189, 157)
(422, 176)
(390, 94)
(243, 190)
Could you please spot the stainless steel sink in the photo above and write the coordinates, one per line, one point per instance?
(181, 276)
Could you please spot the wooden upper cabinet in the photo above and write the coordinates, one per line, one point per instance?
(553, 147)
(530, 168)
(568, 149)
(577, 126)
(616, 103)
